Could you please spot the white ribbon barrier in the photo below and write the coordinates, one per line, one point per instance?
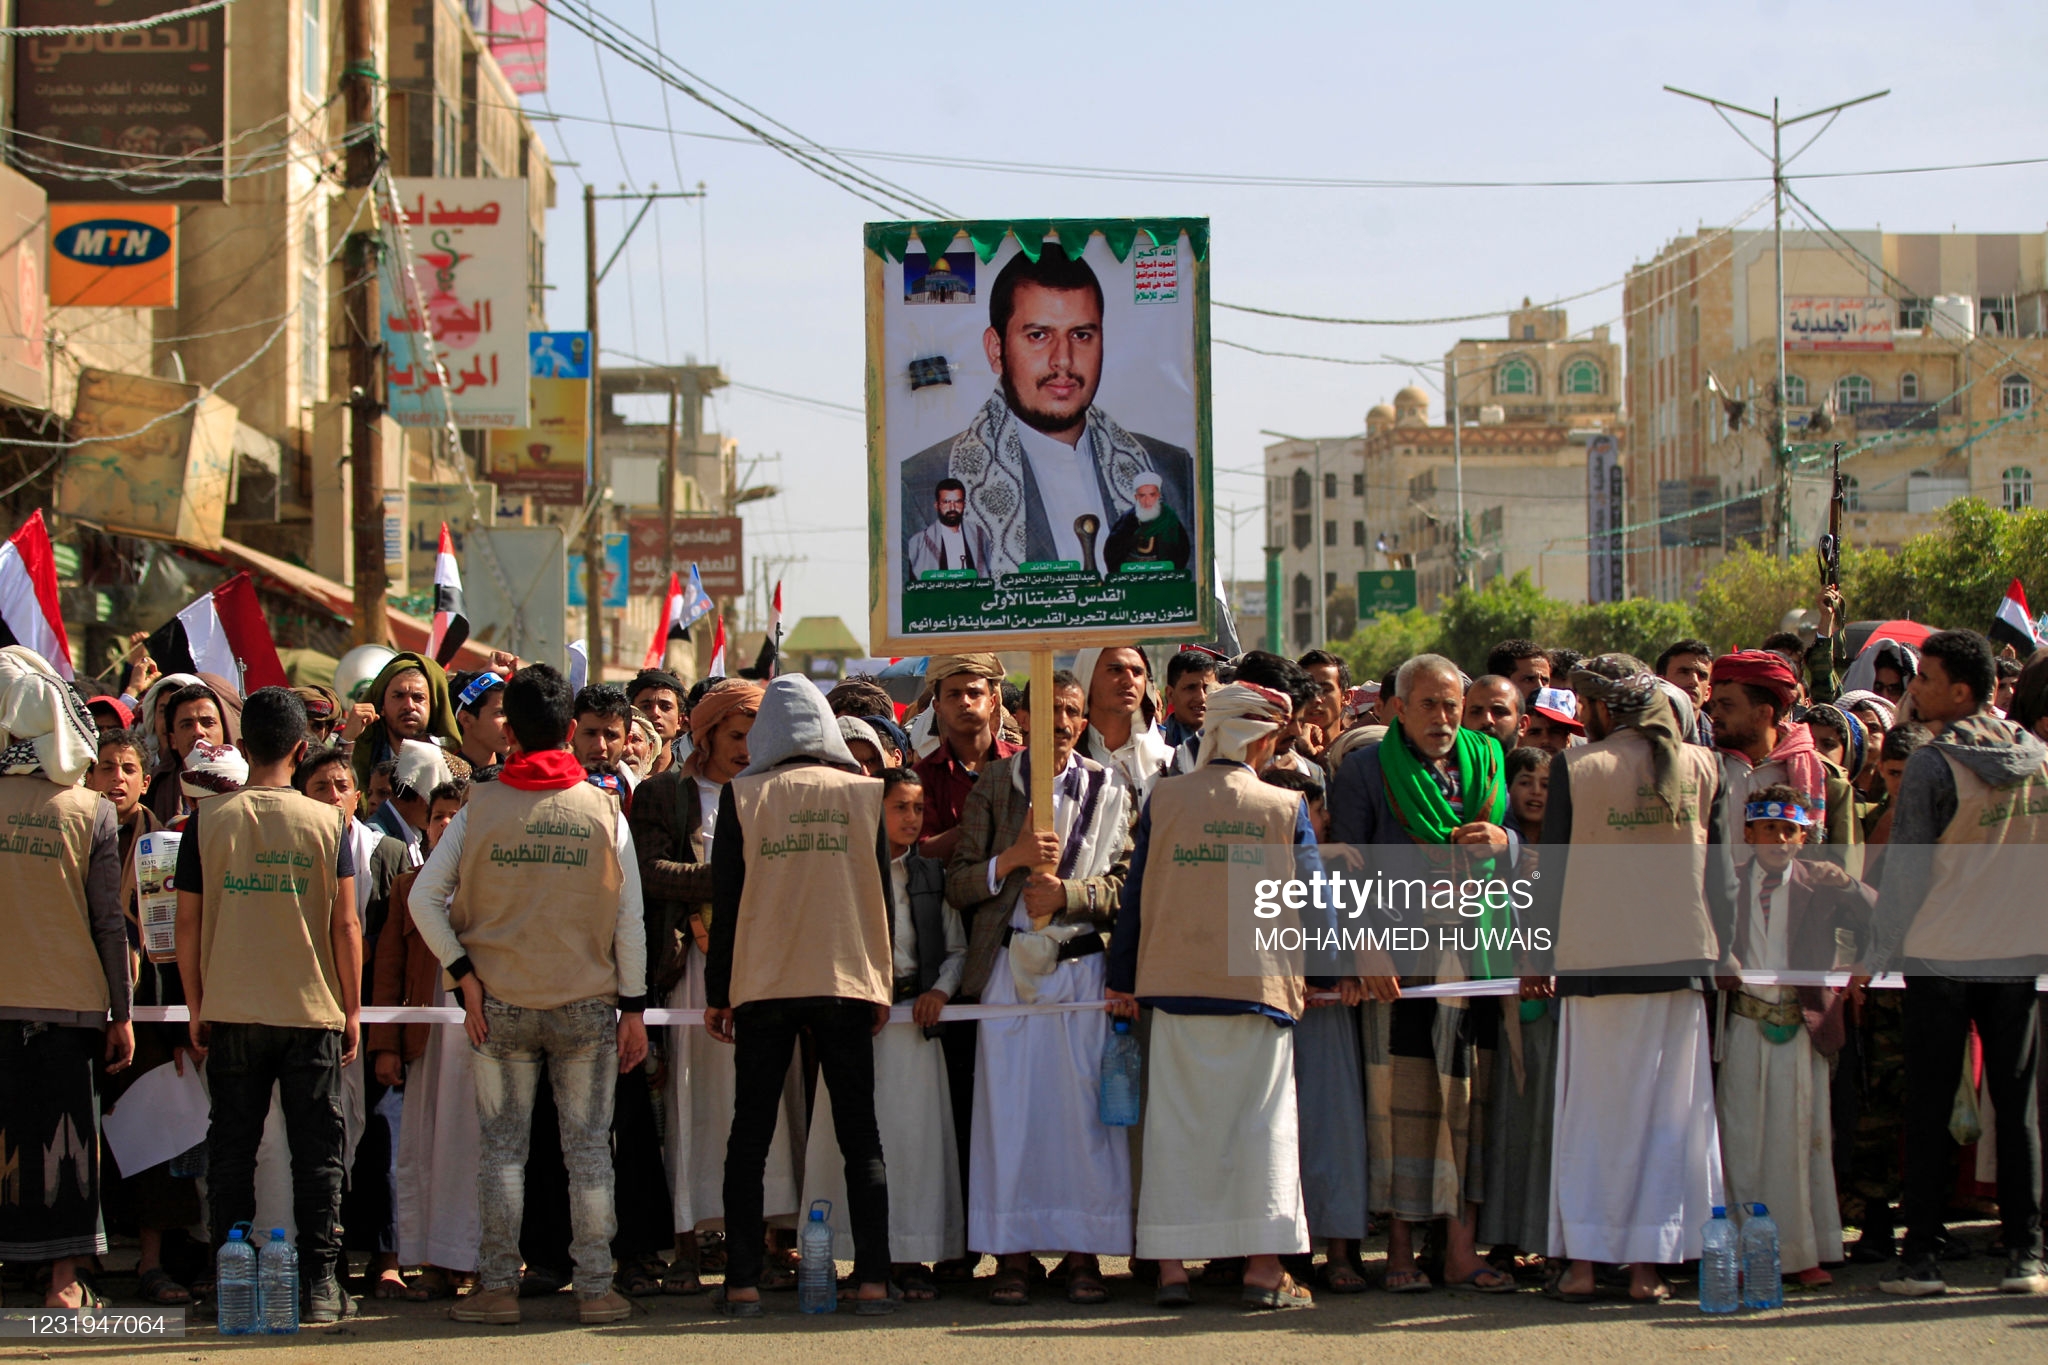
(900, 1014)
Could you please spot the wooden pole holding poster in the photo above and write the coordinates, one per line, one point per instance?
(1041, 745)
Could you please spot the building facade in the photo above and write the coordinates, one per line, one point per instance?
(1921, 353)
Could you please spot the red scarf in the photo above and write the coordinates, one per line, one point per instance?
(1803, 772)
(547, 771)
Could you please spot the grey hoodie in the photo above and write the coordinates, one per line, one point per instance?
(2001, 754)
(794, 722)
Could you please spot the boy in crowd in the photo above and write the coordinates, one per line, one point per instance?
(271, 954)
(1772, 1091)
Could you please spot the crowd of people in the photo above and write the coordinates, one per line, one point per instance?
(796, 863)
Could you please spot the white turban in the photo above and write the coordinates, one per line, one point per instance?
(420, 767)
(1238, 717)
(42, 718)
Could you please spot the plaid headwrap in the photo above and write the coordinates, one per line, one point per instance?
(1635, 702)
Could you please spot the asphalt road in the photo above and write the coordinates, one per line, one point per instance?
(1851, 1322)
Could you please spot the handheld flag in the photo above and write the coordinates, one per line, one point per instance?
(716, 668)
(772, 646)
(223, 633)
(680, 610)
(2014, 624)
(451, 627)
(29, 612)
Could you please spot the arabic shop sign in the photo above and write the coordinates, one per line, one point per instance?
(1385, 592)
(467, 294)
(139, 114)
(1824, 322)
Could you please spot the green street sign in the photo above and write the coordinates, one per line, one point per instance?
(1385, 592)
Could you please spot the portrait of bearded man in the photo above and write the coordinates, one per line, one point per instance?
(1150, 532)
(1046, 473)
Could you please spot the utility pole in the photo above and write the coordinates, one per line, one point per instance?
(1781, 447)
(1322, 575)
(1457, 416)
(365, 336)
(593, 523)
(594, 520)
(668, 484)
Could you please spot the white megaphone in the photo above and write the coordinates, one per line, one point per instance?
(354, 670)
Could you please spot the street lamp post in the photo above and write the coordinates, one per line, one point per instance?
(1321, 538)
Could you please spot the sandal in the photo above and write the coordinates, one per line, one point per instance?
(390, 1284)
(538, 1284)
(735, 1308)
(776, 1279)
(1286, 1294)
(640, 1280)
(710, 1253)
(1504, 1283)
(1009, 1288)
(916, 1283)
(681, 1278)
(959, 1270)
(1179, 1294)
(159, 1288)
(1084, 1281)
(433, 1283)
(1341, 1277)
(1406, 1282)
(878, 1308)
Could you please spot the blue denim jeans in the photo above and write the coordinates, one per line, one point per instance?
(579, 1042)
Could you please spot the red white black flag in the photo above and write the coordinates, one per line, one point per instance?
(2014, 624)
(716, 669)
(451, 627)
(29, 612)
(223, 633)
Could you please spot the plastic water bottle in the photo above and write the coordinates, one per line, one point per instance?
(1122, 1071)
(817, 1278)
(1718, 1266)
(1763, 1284)
(277, 1278)
(236, 1294)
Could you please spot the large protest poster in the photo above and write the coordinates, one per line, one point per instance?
(467, 291)
(1038, 433)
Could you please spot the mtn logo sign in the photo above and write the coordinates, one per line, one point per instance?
(113, 241)
(114, 255)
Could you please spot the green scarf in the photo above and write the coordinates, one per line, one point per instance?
(1428, 817)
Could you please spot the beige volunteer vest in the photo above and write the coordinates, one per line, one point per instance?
(1620, 910)
(813, 920)
(1199, 821)
(537, 894)
(50, 961)
(265, 946)
(1985, 902)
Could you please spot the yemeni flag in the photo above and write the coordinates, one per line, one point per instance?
(716, 669)
(773, 644)
(2014, 624)
(222, 633)
(29, 613)
(681, 609)
(451, 627)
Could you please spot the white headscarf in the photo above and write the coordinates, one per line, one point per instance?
(42, 718)
(1239, 716)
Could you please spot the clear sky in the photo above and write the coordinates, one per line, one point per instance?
(1463, 92)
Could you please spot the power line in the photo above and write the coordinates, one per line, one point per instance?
(1254, 181)
(131, 26)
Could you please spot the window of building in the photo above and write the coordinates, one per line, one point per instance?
(1582, 376)
(1850, 390)
(312, 339)
(1996, 315)
(1304, 592)
(1492, 521)
(1329, 584)
(1913, 313)
(1694, 326)
(1304, 623)
(2016, 488)
(313, 57)
(1515, 376)
(1852, 492)
(1329, 533)
(1795, 391)
(2015, 392)
(1330, 486)
(1358, 533)
(1303, 490)
(1358, 485)
(1909, 387)
(1304, 530)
